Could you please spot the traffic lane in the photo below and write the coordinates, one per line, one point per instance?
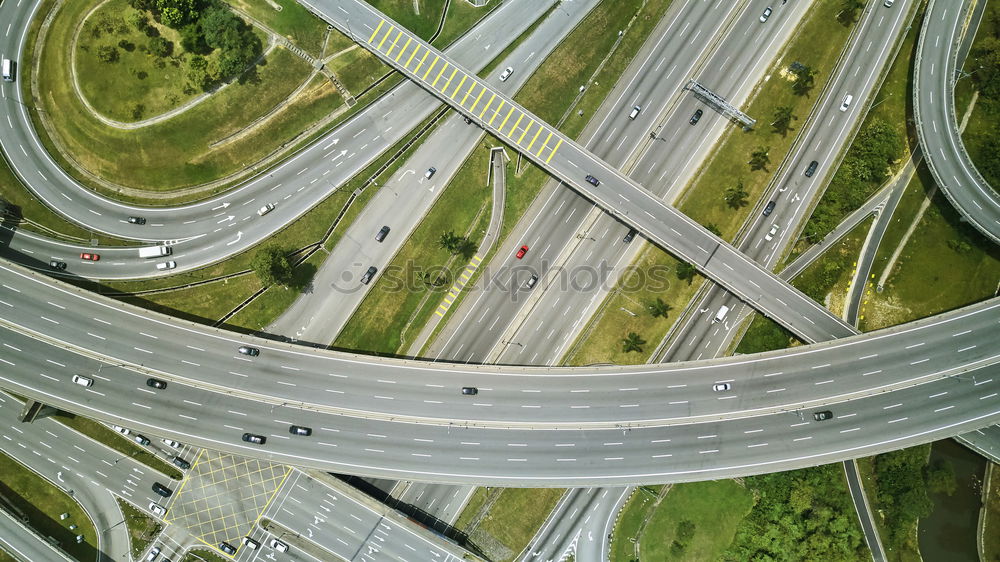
(24, 544)
(938, 123)
(580, 524)
(443, 501)
(585, 456)
(301, 379)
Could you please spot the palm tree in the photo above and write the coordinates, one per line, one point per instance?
(736, 196)
(632, 342)
(759, 158)
(658, 308)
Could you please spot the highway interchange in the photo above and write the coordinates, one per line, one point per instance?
(510, 405)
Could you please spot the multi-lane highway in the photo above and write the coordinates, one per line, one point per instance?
(934, 77)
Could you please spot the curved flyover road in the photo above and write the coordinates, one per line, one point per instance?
(934, 78)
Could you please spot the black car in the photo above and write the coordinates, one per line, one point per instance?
(382, 233)
(593, 181)
(156, 383)
(56, 264)
(180, 463)
(255, 439)
(470, 390)
(696, 117)
(227, 548)
(162, 490)
(300, 430)
(768, 208)
(822, 415)
(367, 277)
(630, 236)
(247, 350)
(812, 168)
(137, 220)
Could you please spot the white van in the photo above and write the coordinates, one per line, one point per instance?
(8, 70)
(721, 314)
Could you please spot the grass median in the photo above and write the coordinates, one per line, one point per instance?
(27, 495)
(694, 521)
(102, 434)
(142, 529)
(515, 518)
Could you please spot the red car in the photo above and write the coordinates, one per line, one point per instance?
(521, 252)
(91, 257)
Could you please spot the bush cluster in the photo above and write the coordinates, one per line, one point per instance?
(205, 26)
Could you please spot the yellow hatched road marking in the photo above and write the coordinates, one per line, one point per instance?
(374, 33)
(469, 93)
(495, 113)
(475, 103)
(544, 144)
(526, 129)
(421, 63)
(444, 88)
(487, 106)
(438, 77)
(500, 128)
(416, 49)
(384, 37)
(403, 50)
(534, 138)
(424, 77)
(394, 41)
(553, 153)
(514, 128)
(459, 87)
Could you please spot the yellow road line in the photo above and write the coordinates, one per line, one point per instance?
(438, 77)
(459, 87)
(526, 129)
(386, 36)
(487, 106)
(394, 41)
(514, 128)
(422, 59)
(495, 113)
(554, 150)
(424, 77)
(374, 33)
(479, 97)
(403, 50)
(534, 138)
(444, 88)
(440, 72)
(416, 49)
(544, 144)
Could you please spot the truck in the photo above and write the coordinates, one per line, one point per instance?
(721, 314)
(8, 70)
(154, 251)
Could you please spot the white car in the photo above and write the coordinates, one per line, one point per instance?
(506, 74)
(157, 509)
(765, 15)
(120, 429)
(171, 443)
(153, 553)
(721, 386)
(250, 543)
(265, 209)
(83, 381)
(279, 546)
(847, 102)
(771, 233)
(887, 3)
(166, 265)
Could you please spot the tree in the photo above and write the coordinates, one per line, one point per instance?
(849, 11)
(272, 266)
(759, 158)
(198, 74)
(450, 241)
(782, 119)
(804, 80)
(160, 47)
(632, 342)
(714, 229)
(193, 40)
(685, 532)
(138, 20)
(659, 308)
(736, 196)
(466, 248)
(107, 53)
(686, 272)
(940, 477)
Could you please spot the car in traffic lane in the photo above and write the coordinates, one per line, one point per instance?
(90, 257)
(520, 252)
(696, 117)
(506, 73)
(766, 14)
